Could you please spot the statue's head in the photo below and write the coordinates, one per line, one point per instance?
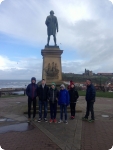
(51, 12)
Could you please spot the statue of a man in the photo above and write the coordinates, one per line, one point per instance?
(52, 26)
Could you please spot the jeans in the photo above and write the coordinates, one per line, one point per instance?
(63, 108)
(53, 110)
(30, 100)
(41, 104)
(72, 107)
(90, 109)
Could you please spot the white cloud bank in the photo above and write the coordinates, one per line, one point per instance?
(84, 26)
(28, 67)
(23, 69)
(1, 1)
(111, 1)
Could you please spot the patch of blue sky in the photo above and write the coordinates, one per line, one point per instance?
(15, 48)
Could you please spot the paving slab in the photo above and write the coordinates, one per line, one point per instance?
(66, 136)
(76, 135)
(28, 140)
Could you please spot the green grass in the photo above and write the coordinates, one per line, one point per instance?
(98, 94)
(81, 93)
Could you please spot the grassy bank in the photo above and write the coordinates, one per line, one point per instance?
(81, 93)
(98, 94)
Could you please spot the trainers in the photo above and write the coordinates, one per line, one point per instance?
(45, 119)
(55, 121)
(91, 120)
(65, 122)
(73, 117)
(50, 121)
(84, 119)
(39, 120)
(34, 119)
(60, 121)
(29, 120)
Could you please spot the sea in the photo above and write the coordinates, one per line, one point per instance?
(14, 83)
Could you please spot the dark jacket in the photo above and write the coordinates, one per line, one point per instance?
(90, 93)
(43, 93)
(31, 90)
(73, 95)
(53, 95)
(63, 97)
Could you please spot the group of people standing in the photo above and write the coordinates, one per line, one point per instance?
(54, 97)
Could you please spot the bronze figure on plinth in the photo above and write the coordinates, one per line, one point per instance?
(52, 26)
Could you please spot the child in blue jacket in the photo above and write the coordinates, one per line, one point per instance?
(63, 101)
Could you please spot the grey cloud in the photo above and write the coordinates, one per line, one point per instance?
(91, 37)
(25, 69)
(20, 74)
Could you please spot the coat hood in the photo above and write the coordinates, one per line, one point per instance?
(33, 78)
(62, 85)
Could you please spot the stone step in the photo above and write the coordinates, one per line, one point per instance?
(78, 109)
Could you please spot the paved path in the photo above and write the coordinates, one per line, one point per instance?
(34, 139)
(99, 135)
(67, 136)
(76, 135)
(29, 140)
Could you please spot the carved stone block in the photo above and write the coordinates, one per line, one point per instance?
(52, 69)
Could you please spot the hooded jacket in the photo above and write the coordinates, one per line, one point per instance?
(90, 93)
(32, 89)
(73, 95)
(63, 97)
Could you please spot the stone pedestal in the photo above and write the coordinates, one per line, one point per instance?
(52, 69)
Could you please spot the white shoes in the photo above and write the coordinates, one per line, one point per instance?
(65, 122)
(60, 121)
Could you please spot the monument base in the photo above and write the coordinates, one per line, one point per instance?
(51, 69)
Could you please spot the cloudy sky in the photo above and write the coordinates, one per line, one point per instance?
(85, 34)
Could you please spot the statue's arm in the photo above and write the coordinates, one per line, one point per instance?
(56, 24)
(46, 22)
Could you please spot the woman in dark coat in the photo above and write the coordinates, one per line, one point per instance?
(73, 99)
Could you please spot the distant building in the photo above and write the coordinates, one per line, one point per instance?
(105, 74)
(88, 73)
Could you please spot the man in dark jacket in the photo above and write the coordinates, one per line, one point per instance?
(90, 98)
(43, 95)
(31, 92)
(53, 99)
(73, 99)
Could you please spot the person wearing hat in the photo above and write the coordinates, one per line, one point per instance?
(31, 92)
(63, 101)
(73, 99)
(69, 86)
(53, 98)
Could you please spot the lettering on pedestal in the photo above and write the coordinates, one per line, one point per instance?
(52, 70)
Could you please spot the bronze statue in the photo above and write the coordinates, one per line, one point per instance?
(52, 26)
